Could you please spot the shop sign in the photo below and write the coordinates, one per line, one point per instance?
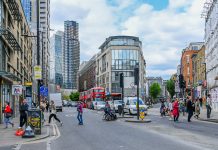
(38, 72)
(17, 89)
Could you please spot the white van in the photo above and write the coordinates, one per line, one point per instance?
(130, 105)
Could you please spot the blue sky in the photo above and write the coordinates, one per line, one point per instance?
(165, 27)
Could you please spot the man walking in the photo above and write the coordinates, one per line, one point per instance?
(53, 113)
(190, 109)
(23, 112)
(80, 113)
(208, 106)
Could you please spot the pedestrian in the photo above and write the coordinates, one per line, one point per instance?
(47, 105)
(201, 102)
(197, 108)
(176, 110)
(190, 109)
(53, 113)
(170, 110)
(8, 112)
(23, 113)
(209, 105)
(80, 113)
(162, 109)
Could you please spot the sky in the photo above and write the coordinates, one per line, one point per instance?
(165, 27)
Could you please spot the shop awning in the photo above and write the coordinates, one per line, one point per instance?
(9, 75)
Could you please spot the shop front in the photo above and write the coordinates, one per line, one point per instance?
(6, 82)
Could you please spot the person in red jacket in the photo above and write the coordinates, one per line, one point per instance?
(176, 110)
(8, 114)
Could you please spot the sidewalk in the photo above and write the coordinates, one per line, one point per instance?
(213, 116)
(7, 136)
(202, 117)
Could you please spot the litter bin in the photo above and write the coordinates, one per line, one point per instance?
(34, 120)
(120, 109)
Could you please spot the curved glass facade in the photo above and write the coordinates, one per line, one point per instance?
(124, 59)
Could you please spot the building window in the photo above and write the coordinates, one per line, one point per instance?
(187, 58)
(188, 70)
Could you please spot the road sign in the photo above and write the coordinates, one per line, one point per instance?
(38, 72)
(17, 89)
(46, 91)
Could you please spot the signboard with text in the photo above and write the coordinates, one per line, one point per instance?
(38, 72)
(17, 89)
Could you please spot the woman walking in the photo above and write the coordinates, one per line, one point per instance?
(53, 113)
(197, 108)
(176, 110)
(8, 114)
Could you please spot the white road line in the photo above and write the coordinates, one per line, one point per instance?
(48, 145)
(18, 147)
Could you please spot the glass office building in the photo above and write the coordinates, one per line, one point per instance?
(120, 54)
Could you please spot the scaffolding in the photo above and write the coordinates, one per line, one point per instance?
(9, 37)
(14, 8)
(207, 8)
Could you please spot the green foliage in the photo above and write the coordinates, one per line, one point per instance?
(65, 97)
(155, 90)
(74, 96)
(171, 87)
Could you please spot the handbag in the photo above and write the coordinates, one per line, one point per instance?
(8, 115)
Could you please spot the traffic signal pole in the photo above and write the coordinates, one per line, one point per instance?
(122, 88)
(136, 76)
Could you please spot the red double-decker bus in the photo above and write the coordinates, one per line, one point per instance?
(93, 94)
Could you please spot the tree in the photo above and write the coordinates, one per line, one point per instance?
(171, 87)
(155, 90)
(65, 97)
(74, 96)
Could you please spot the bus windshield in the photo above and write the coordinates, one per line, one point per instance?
(99, 90)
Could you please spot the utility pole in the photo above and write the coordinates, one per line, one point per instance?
(122, 87)
(136, 77)
(38, 48)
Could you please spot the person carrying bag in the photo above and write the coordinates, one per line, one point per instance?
(8, 112)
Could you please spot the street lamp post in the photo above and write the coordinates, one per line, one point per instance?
(38, 48)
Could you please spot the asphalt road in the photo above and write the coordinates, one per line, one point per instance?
(97, 134)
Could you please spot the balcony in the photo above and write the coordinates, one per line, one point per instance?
(10, 38)
(14, 8)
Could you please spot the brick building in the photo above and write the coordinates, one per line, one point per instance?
(187, 66)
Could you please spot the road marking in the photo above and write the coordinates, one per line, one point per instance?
(18, 147)
(48, 145)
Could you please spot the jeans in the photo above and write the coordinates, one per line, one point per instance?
(190, 114)
(23, 120)
(208, 111)
(8, 121)
(80, 118)
(55, 116)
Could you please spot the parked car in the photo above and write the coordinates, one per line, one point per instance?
(99, 105)
(64, 103)
(131, 107)
(114, 104)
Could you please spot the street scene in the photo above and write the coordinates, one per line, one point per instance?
(108, 74)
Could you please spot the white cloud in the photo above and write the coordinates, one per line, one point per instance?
(163, 33)
(95, 18)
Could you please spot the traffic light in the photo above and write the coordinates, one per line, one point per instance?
(181, 79)
(121, 80)
(136, 76)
